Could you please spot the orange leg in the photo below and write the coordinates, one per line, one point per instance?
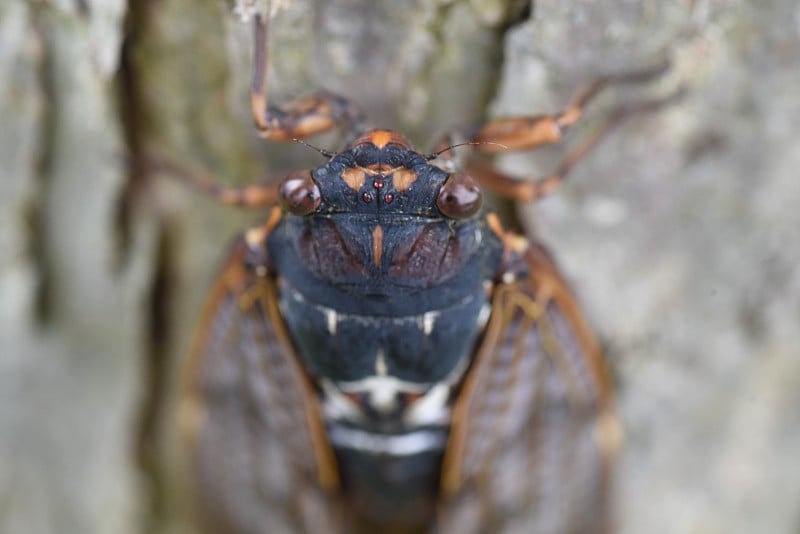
(529, 132)
(303, 118)
(255, 195)
(527, 190)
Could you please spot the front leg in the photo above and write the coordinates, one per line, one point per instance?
(305, 117)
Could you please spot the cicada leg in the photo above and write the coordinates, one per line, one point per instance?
(308, 116)
(530, 132)
(256, 195)
(300, 119)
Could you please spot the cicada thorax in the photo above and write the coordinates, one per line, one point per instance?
(385, 299)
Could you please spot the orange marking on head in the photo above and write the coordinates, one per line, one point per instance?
(377, 245)
(378, 168)
(381, 138)
(354, 178)
(403, 178)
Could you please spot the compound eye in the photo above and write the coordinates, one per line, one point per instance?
(299, 194)
(460, 197)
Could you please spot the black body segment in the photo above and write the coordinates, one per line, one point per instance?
(424, 263)
(423, 348)
(342, 309)
(382, 489)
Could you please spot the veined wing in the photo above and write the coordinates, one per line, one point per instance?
(260, 459)
(533, 432)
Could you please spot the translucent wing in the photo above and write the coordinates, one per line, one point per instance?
(533, 430)
(260, 460)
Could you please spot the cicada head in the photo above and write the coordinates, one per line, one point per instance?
(380, 173)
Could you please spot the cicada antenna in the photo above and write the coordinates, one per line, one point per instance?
(326, 153)
(435, 155)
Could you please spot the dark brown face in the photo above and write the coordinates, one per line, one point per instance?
(379, 212)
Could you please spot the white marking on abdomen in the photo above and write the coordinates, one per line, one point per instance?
(331, 320)
(381, 368)
(431, 408)
(428, 321)
(336, 405)
(483, 316)
(382, 391)
(396, 445)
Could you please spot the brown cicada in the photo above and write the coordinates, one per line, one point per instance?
(381, 355)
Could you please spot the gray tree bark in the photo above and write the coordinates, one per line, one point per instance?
(680, 234)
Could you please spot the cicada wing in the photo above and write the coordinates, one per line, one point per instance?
(260, 461)
(533, 431)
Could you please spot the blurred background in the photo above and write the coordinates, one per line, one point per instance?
(680, 235)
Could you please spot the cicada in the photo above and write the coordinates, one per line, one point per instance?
(381, 355)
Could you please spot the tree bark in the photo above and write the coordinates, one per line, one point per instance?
(679, 233)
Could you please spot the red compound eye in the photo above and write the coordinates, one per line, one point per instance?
(460, 197)
(299, 194)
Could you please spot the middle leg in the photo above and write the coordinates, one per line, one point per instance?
(530, 132)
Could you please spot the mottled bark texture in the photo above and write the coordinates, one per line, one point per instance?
(680, 234)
